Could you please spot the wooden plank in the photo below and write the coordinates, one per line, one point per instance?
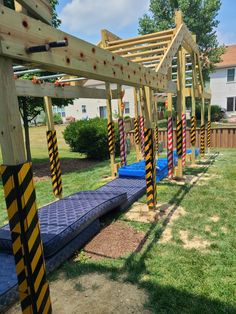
(140, 48)
(11, 133)
(107, 37)
(39, 9)
(147, 36)
(79, 58)
(140, 60)
(144, 53)
(28, 88)
(141, 41)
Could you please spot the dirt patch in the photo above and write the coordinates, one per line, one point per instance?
(116, 240)
(208, 230)
(42, 170)
(215, 218)
(224, 229)
(139, 212)
(94, 293)
(195, 243)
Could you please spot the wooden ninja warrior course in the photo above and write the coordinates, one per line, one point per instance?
(164, 65)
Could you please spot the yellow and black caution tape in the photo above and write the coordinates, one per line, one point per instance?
(179, 131)
(150, 169)
(157, 139)
(202, 150)
(111, 137)
(193, 131)
(209, 134)
(26, 240)
(136, 130)
(55, 164)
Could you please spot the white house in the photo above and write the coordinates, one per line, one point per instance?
(91, 108)
(223, 82)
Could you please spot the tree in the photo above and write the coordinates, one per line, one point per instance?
(201, 18)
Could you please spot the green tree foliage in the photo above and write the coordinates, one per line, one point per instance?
(201, 18)
(89, 137)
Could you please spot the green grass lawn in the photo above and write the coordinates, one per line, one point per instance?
(176, 279)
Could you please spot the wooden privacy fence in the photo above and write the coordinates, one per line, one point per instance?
(220, 137)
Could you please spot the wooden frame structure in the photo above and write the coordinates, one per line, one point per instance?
(143, 62)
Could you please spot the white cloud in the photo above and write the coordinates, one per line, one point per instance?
(89, 16)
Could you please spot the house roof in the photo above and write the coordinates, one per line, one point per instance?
(228, 58)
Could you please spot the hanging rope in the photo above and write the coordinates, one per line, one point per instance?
(142, 136)
(111, 140)
(136, 130)
(170, 148)
(184, 124)
(122, 141)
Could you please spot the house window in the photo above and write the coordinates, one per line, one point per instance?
(231, 103)
(84, 110)
(230, 75)
(127, 111)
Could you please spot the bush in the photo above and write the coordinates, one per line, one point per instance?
(216, 113)
(57, 118)
(89, 137)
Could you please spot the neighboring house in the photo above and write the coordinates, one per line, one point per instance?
(91, 108)
(223, 82)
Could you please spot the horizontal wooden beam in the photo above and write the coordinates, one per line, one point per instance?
(40, 9)
(141, 42)
(28, 88)
(144, 53)
(164, 44)
(153, 58)
(147, 36)
(18, 32)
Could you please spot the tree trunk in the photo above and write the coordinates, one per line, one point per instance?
(26, 128)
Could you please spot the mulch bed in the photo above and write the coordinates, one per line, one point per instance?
(42, 170)
(114, 241)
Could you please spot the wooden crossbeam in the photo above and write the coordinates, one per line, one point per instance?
(142, 47)
(141, 42)
(17, 32)
(144, 53)
(147, 36)
(28, 88)
(40, 9)
(157, 57)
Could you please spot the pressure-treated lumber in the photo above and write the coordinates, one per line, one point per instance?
(79, 58)
(141, 48)
(28, 88)
(49, 113)
(40, 9)
(11, 134)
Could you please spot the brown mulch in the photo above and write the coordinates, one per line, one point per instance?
(42, 170)
(114, 241)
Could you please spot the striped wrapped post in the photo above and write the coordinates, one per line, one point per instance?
(122, 141)
(136, 131)
(209, 134)
(142, 135)
(170, 148)
(184, 125)
(202, 150)
(179, 139)
(157, 139)
(55, 165)
(193, 131)
(150, 169)
(111, 139)
(26, 239)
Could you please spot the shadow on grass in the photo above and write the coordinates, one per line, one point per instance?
(161, 299)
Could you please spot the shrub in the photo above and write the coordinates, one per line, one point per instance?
(89, 137)
(57, 118)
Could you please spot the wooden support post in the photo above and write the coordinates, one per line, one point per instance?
(193, 115)
(122, 134)
(55, 165)
(136, 125)
(183, 100)
(202, 149)
(150, 159)
(111, 140)
(180, 101)
(142, 121)
(17, 178)
(209, 128)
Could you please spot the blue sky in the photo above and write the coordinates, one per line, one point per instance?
(85, 18)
